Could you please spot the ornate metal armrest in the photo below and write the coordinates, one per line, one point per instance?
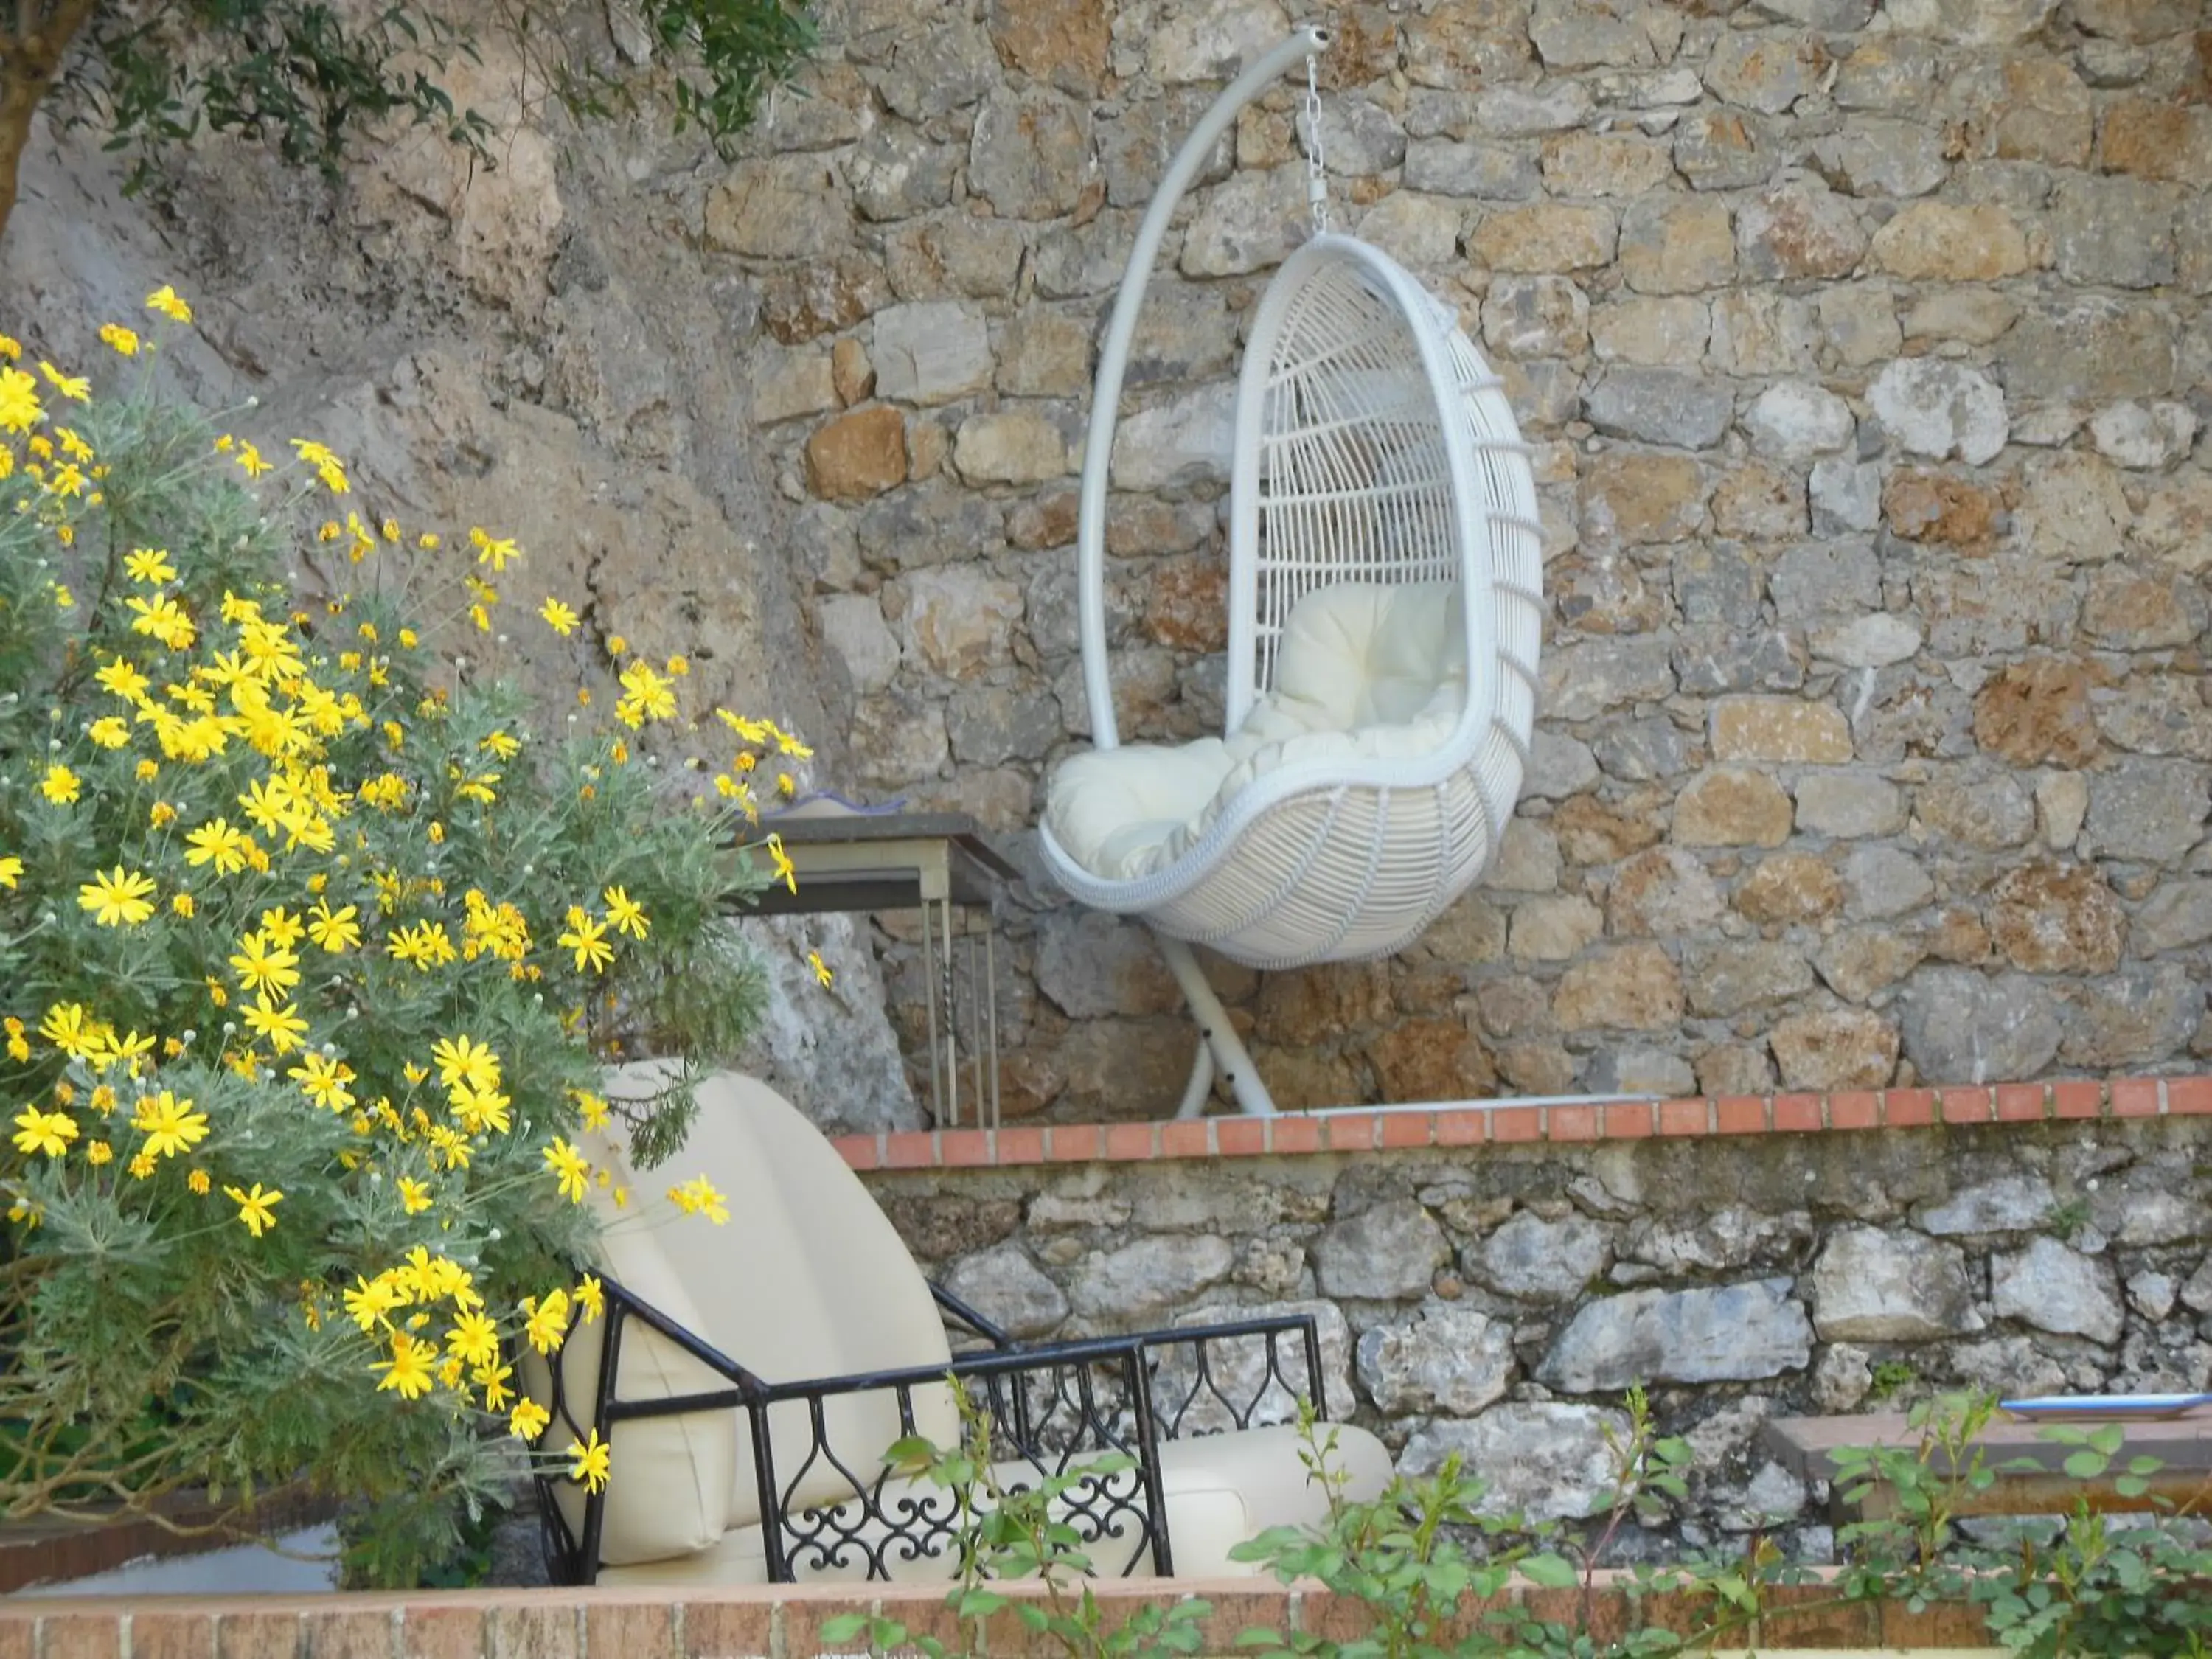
(1200, 1385)
(960, 1314)
(1052, 1408)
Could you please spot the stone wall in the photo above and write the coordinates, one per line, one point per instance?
(1864, 348)
(1498, 1299)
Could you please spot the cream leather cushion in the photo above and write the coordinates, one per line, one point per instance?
(1364, 672)
(672, 1494)
(1221, 1490)
(807, 1280)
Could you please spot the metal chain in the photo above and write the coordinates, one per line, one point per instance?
(1316, 166)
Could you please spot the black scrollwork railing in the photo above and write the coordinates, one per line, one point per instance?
(832, 1508)
(1240, 1374)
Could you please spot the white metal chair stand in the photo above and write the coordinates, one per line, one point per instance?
(1385, 615)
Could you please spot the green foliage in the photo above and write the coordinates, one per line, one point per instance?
(1890, 1377)
(312, 951)
(1023, 1535)
(309, 77)
(1431, 1566)
(2069, 1217)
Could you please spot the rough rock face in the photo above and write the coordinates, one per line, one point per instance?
(532, 349)
(1861, 350)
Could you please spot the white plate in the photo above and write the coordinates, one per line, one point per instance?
(2077, 1406)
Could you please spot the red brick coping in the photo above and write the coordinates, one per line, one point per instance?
(1507, 1124)
(785, 1621)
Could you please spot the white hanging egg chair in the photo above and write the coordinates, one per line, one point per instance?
(1385, 616)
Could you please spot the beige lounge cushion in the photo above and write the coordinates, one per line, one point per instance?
(808, 1280)
(672, 1494)
(1364, 672)
(1221, 1490)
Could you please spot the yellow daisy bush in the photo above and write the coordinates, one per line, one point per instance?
(314, 945)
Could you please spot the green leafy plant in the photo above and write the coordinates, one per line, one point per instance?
(311, 78)
(1890, 1378)
(1021, 1533)
(312, 947)
(1432, 1570)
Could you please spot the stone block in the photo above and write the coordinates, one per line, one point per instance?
(1605, 164)
(1213, 40)
(2115, 231)
(1939, 241)
(1660, 406)
(1798, 420)
(1659, 331)
(1766, 70)
(1633, 498)
(1790, 888)
(1936, 408)
(931, 353)
(788, 384)
(1251, 222)
(1871, 157)
(2058, 1290)
(858, 455)
(1546, 1460)
(1546, 239)
(2148, 811)
(1780, 729)
(1798, 230)
(1629, 986)
(1664, 892)
(1063, 42)
(1486, 169)
(959, 619)
(782, 207)
(1389, 1253)
(1874, 642)
(1553, 929)
(1732, 806)
(1015, 446)
(1723, 977)
(1677, 245)
(1149, 1276)
(1445, 1360)
(1850, 804)
(1183, 442)
(1859, 962)
(1875, 1286)
(2145, 437)
(1005, 1285)
(1733, 1332)
(1835, 1048)
(1960, 1026)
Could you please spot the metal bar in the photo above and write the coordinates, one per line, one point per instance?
(952, 1014)
(979, 1323)
(603, 1399)
(990, 1003)
(1229, 1051)
(929, 1000)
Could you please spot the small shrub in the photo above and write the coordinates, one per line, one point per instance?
(310, 948)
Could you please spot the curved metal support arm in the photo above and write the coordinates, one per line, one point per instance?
(1114, 362)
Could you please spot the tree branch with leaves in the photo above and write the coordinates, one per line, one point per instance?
(309, 82)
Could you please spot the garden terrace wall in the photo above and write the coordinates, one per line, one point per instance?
(784, 1622)
(1491, 1281)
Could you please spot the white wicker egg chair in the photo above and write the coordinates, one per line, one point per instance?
(1385, 615)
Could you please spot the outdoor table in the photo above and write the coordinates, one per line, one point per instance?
(940, 863)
